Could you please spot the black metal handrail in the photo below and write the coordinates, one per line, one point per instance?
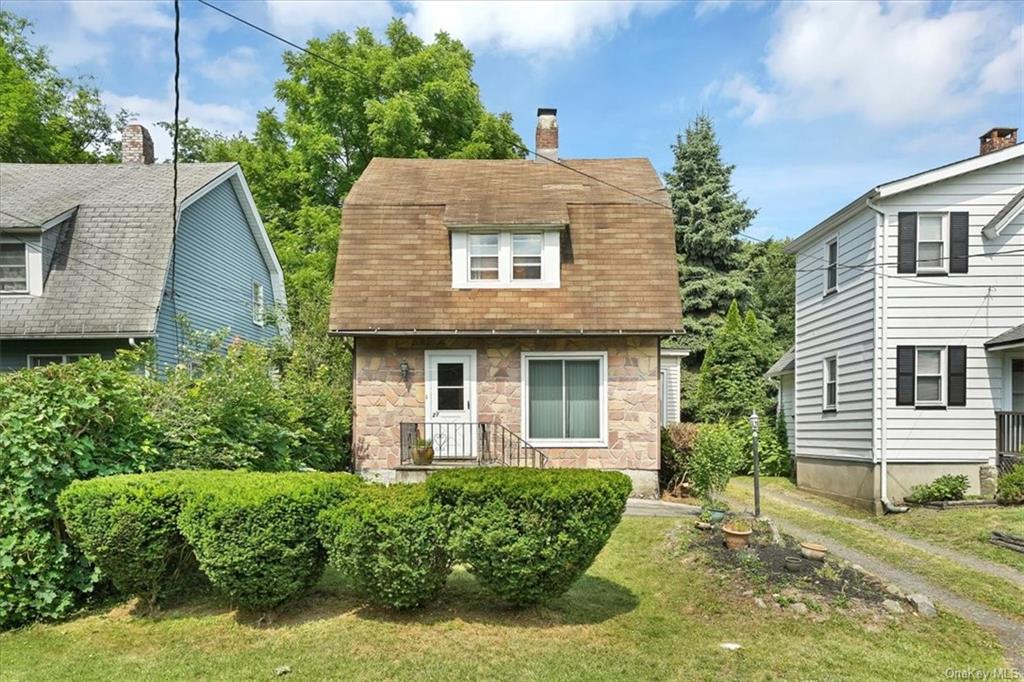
(1009, 439)
(481, 443)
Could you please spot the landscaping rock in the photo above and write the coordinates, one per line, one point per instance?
(923, 605)
(760, 603)
(892, 606)
(798, 607)
(894, 591)
(731, 646)
(282, 670)
(748, 593)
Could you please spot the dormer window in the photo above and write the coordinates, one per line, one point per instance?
(13, 268)
(483, 256)
(505, 259)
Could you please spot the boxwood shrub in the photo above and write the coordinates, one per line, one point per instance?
(392, 543)
(528, 534)
(255, 535)
(128, 526)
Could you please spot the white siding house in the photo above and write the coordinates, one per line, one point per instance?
(909, 314)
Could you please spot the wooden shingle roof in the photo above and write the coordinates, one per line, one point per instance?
(618, 264)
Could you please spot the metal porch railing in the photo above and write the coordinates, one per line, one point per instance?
(481, 443)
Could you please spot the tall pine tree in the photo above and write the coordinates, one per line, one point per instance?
(709, 216)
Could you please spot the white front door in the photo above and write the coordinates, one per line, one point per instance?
(451, 403)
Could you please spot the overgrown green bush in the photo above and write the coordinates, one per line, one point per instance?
(128, 527)
(1010, 488)
(391, 542)
(255, 535)
(944, 488)
(717, 451)
(773, 456)
(676, 445)
(60, 423)
(528, 534)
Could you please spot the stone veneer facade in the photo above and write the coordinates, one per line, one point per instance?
(382, 400)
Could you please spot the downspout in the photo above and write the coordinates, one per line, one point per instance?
(887, 504)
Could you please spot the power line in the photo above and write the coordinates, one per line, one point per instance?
(174, 162)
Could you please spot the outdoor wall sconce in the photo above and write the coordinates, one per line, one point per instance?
(404, 369)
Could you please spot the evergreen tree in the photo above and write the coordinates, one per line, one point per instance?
(770, 273)
(708, 217)
(731, 382)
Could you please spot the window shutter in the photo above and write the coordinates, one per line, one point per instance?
(957, 358)
(905, 375)
(958, 236)
(907, 250)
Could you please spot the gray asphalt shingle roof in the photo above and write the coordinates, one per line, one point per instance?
(783, 365)
(109, 261)
(1014, 335)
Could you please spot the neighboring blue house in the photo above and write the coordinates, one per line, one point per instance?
(85, 258)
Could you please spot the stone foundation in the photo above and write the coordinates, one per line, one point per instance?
(382, 400)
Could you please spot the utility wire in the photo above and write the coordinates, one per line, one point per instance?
(174, 161)
(524, 148)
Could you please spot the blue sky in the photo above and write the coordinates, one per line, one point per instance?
(813, 102)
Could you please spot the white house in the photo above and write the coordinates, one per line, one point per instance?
(909, 351)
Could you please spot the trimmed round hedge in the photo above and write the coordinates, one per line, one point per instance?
(392, 543)
(528, 534)
(128, 526)
(254, 535)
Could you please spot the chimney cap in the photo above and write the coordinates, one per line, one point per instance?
(999, 131)
(543, 111)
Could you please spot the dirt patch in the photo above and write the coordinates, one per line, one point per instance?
(763, 563)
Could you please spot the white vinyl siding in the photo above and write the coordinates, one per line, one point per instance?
(842, 326)
(987, 300)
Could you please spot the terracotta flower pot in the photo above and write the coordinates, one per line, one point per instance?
(812, 550)
(736, 539)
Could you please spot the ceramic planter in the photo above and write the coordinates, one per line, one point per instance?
(716, 515)
(793, 564)
(736, 539)
(423, 456)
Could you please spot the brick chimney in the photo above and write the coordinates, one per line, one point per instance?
(998, 138)
(547, 135)
(136, 145)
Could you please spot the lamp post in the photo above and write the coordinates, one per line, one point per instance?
(755, 422)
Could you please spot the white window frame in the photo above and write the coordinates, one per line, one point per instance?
(825, 406)
(943, 378)
(550, 261)
(830, 266)
(65, 358)
(602, 358)
(259, 306)
(26, 263)
(944, 229)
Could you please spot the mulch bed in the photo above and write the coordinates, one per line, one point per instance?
(765, 562)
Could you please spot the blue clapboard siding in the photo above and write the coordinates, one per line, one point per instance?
(217, 262)
(14, 352)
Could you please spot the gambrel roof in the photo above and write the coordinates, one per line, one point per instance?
(618, 259)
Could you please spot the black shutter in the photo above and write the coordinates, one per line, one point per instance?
(907, 250)
(957, 356)
(958, 242)
(905, 375)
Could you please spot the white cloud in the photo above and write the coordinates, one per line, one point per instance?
(238, 65)
(100, 17)
(704, 8)
(1005, 73)
(892, 64)
(212, 116)
(527, 26)
(300, 19)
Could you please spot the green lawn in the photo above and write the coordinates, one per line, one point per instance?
(997, 593)
(965, 530)
(642, 612)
